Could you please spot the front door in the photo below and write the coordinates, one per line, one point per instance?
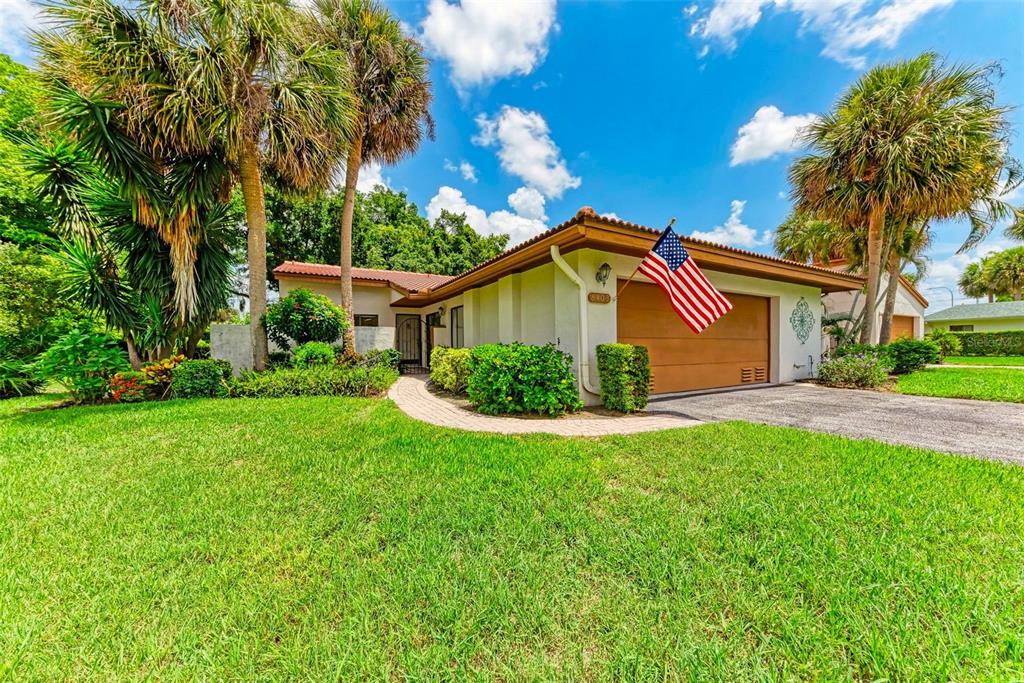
(408, 338)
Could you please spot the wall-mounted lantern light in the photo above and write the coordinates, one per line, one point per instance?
(603, 273)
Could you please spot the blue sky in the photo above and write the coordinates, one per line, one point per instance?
(650, 110)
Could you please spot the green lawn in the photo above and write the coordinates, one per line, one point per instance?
(985, 360)
(338, 539)
(986, 384)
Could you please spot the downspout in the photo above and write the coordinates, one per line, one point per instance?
(583, 352)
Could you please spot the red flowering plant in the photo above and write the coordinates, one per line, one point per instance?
(302, 317)
(129, 387)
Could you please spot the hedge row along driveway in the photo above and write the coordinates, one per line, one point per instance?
(315, 538)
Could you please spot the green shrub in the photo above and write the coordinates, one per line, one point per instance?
(302, 317)
(130, 387)
(949, 344)
(908, 355)
(518, 378)
(449, 368)
(389, 358)
(83, 361)
(279, 359)
(1007, 343)
(320, 380)
(625, 373)
(200, 379)
(313, 353)
(856, 350)
(17, 378)
(861, 370)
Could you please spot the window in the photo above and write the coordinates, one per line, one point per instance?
(365, 320)
(961, 328)
(458, 338)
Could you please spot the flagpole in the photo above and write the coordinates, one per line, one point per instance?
(635, 270)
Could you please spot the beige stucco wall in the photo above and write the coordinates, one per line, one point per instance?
(906, 304)
(997, 325)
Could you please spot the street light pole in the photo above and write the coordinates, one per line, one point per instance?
(951, 302)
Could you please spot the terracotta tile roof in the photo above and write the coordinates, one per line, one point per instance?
(405, 280)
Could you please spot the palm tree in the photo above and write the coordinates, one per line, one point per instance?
(975, 283)
(905, 247)
(913, 138)
(388, 79)
(234, 85)
(803, 237)
(1007, 269)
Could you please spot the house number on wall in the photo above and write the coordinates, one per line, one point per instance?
(599, 298)
(802, 320)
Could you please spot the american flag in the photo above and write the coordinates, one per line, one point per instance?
(692, 296)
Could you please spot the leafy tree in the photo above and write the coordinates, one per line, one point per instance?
(976, 282)
(23, 218)
(227, 88)
(391, 89)
(911, 141)
(388, 233)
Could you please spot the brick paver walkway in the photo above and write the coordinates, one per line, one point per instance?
(411, 395)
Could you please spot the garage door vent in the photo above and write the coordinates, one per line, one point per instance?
(754, 375)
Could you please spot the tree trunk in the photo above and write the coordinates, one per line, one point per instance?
(991, 297)
(876, 219)
(885, 331)
(133, 353)
(1017, 294)
(256, 219)
(348, 210)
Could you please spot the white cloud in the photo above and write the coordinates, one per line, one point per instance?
(528, 203)
(464, 168)
(17, 17)
(612, 215)
(484, 40)
(370, 176)
(769, 133)
(847, 27)
(519, 227)
(526, 150)
(734, 232)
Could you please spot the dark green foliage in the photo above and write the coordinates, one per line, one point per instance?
(948, 343)
(908, 355)
(520, 378)
(625, 372)
(864, 370)
(388, 358)
(302, 317)
(200, 379)
(1008, 343)
(83, 361)
(449, 368)
(387, 232)
(280, 359)
(17, 378)
(322, 380)
(313, 353)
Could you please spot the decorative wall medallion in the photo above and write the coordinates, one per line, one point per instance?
(802, 320)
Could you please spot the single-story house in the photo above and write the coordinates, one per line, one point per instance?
(994, 317)
(563, 287)
(908, 320)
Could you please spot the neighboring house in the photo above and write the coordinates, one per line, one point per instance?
(994, 317)
(560, 287)
(908, 314)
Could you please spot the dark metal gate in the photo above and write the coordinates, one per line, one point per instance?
(409, 338)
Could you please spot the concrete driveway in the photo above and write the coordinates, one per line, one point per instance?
(986, 429)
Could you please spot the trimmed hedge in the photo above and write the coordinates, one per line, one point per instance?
(321, 380)
(864, 370)
(313, 353)
(200, 379)
(1007, 343)
(949, 343)
(449, 368)
(908, 355)
(625, 372)
(519, 378)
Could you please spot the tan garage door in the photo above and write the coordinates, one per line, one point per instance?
(733, 351)
(902, 327)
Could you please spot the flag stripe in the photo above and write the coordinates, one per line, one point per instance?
(690, 293)
(657, 271)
